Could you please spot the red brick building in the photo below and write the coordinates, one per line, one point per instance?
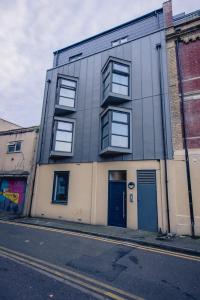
(183, 50)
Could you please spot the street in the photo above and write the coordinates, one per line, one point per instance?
(43, 263)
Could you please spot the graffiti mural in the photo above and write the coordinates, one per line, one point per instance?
(12, 194)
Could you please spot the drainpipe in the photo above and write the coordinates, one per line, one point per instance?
(48, 81)
(39, 147)
(164, 135)
(187, 161)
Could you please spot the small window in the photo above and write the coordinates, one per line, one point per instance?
(75, 57)
(119, 41)
(67, 92)
(60, 187)
(14, 147)
(115, 130)
(116, 43)
(63, 136)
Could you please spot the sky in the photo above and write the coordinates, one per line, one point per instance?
(32, 29)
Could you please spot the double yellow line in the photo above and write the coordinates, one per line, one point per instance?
(69, 277)
(108, 240)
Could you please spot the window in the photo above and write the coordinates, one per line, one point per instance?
(115, 130)
(60, 187)
(75, 57)
(63, 136)
(119, 41)
(116, 81)
(67, 92)
(14, 147)
(120, 79)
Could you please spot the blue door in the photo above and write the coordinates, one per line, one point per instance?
(147, 200)
(117, 199)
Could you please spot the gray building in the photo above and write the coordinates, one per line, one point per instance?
(105, 131)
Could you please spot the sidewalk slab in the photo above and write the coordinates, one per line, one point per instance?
(182, 244)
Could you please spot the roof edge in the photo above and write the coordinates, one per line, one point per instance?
(110, 30)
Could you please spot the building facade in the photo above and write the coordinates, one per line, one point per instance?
(17, 167)
(183, 51)
(105, 137)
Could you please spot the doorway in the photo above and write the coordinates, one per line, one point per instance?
(117, 205)
(147, 200)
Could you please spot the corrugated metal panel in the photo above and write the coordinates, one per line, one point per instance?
(145, 104)
(133, 31)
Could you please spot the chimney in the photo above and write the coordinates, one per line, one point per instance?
(167, 10)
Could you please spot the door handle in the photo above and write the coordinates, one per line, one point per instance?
(123, 205)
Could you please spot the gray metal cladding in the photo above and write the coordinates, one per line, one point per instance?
(134, 31)
(145, 104)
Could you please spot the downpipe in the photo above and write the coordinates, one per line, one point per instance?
(164, 136)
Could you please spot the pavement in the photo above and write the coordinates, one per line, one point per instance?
(182, 244)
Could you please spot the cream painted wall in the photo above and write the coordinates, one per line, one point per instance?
(88, 192)
(5, 125)
(179, 205)
(17, 161)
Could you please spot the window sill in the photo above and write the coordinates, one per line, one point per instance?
(113, 98)
(62, 109)
(60, 154)
(60, 202)
(115, 150)
(14, 152)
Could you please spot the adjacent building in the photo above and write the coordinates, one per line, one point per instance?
(183, 49)
(105, 134)
(17, 167)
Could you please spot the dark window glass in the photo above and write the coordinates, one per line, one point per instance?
(60, 190)
(18, 146)
(11, 148)
(14, 147)
(75, 57)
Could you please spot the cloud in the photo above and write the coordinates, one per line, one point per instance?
(32, 30)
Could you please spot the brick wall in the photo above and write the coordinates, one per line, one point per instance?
(176, 121)
(167, 10)
(190, 67)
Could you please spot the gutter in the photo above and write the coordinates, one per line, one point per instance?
(185, 144)
(164, 136)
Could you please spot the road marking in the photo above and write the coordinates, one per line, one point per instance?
(107, 240)
(66, 274)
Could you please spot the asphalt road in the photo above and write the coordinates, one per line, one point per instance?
(44, 264)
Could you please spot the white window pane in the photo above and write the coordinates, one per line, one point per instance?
(62, 146)
(115, 43)
(65, 126)
(119, 141)
(120, 67)
(64, 136)
(119, 89)
(120, 129)
(66, 101)
(120, 79)
(120, 117)
(124, 40)
(68, 82)
(67, 93)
